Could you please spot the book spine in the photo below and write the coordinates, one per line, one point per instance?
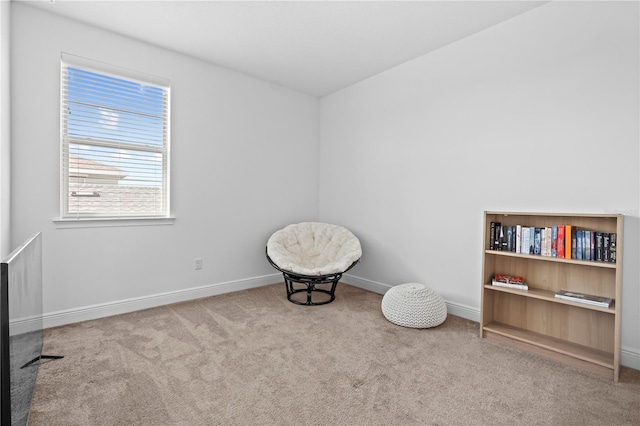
(584, 298)
(574, 243)
(606, 247)
(503, 237)
(547, 234)
(613, 241)
(492, 235)
(500, 237)
(536, 241)
(587, 245)
(508, 285)
(498, 232)
(543, 241)
(532, 239)
(567, 241)
(598, 247)
(592, 245)
(579, 244)
(510, 238)
(554, 241)
(525, 240)
(560, 244)
(586, 302)
(518, 238)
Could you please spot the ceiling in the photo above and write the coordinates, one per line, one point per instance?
(316, 47)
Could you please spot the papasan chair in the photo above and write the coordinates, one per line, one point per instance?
(312, 254)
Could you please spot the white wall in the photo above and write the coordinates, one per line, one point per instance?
(539, 113)
(5, 129)
(244, 164)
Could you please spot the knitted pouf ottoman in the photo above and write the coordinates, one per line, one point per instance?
(414, 305)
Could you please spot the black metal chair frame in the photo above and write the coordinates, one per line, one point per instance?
(310, 281)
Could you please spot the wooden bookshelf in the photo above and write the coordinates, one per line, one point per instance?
(579, 334)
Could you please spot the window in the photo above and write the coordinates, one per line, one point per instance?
(114, 141)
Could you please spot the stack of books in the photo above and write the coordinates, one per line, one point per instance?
(584, 298)
(510, 281)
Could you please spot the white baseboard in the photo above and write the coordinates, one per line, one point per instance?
(456, 309)
(102, 310)
(365, 284)
(630, 357)
(464, 311)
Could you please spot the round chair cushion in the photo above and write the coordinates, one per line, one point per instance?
(313, 248)
(414, 305)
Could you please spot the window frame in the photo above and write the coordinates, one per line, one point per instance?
(67, 219)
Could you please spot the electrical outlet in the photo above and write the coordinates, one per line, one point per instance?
(198, 264)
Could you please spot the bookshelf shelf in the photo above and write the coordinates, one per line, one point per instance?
(579, 334)
(584, 353)
(592, 264)
(550, 297)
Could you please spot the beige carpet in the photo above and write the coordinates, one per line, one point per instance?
(253, 358)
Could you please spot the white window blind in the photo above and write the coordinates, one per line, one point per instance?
(114, 141)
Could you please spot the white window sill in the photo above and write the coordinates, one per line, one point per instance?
(106, 222)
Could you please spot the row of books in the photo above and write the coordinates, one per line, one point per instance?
(513, 281)
(560, 241)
